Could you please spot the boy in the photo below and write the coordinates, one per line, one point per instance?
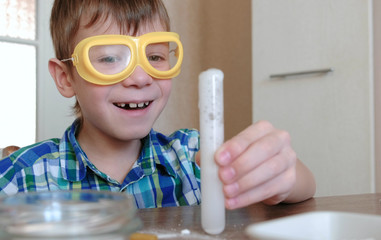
(113, 57)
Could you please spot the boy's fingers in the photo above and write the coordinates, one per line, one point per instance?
(271, 192)
(270, 169)
(234, 147)
(273, 144)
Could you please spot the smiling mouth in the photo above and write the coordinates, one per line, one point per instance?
(133, 106)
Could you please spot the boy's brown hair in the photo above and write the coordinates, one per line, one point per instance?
(128, 15)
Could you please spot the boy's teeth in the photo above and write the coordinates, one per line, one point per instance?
(132, 105)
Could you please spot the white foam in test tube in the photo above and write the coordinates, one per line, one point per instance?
(211, 108)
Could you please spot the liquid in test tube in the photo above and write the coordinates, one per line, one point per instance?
(211, 108)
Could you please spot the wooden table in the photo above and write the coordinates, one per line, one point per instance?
(184, 222)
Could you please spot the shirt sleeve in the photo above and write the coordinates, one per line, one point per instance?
(8, 181)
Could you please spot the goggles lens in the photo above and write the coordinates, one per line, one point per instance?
(162, 56)
(110, 59)
(113, 59)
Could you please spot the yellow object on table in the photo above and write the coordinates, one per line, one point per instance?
(143, 236)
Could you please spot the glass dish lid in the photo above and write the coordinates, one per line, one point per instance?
(67, 214)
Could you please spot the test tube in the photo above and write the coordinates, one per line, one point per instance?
(211, 137)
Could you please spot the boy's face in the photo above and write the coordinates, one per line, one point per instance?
(126, 110)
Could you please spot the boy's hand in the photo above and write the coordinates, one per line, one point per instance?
(259, 165)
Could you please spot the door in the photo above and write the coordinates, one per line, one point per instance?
(329, 113)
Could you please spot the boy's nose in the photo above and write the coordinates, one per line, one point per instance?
(138, 78)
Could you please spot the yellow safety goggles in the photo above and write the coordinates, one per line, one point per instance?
(109, 59)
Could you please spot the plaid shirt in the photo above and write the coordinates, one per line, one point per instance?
(165, 174)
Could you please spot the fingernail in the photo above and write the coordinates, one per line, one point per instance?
(227, 174)
(224, 158)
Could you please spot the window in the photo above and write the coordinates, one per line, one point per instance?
(18, 47)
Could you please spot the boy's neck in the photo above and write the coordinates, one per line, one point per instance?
(112, 157)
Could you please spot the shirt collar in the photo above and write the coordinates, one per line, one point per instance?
(73, 159)
(152, 155)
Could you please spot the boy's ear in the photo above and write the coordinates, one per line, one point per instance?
(62, 77)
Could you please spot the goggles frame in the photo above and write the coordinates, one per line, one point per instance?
(137, 45)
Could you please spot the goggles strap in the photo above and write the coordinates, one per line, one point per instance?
(67, 59)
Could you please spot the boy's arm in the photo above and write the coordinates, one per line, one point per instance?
(259, 165)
